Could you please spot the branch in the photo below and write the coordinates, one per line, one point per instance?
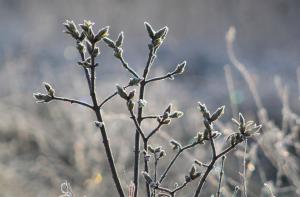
(86, 71)
(138, 128)
(150, 117)
(72, 101)
(221, 175)
(154, 131)
(105, 140)
(127, 67)
(210, 167)
(110, 97)
(163, 176)
(151, 57)
(244, 166)
(160, 78)
(212, 144)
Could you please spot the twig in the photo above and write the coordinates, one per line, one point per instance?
(110, 97)
(244, 167)
(210, 167)
(72, 101)
(151, 57)
(103, 130)
(150, 117)
(221, 175)
(126, 66)
(163, 176)
(139, 129)
(168, 75)
(154, 131)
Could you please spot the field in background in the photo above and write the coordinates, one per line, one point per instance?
(43, 145)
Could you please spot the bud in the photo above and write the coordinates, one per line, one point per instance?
(206, 134)
(192, 170)
(254, 130)
(166, 121)
(42, 98)
(130, 105)
(121, 92)
(99, 124)
(150, 149)
(187, 178)
(199, 137)
(71, 29)
(147, 178)
(180, 68)
(134, 81)
(49, 89)
(161, 33)
(207, 124)
(168, 109)
(118, 52)
(157, 42)
(176, 145)
(176, 114)
(196, 175)
(131, 94)
(150, 30)
(87, 29)
(217, 114)
(96, 52)
(161, 154)
(142, 103)
(119, 41)
(109, 43)
(103, 33)
(80, 47)
(242, 120)
(216, 134)
(157, 149)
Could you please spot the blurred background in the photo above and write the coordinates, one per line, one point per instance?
(43, 145)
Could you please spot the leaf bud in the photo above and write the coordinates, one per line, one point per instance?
(49, 89)
(120, 39)
(217, 114)
(121, 92)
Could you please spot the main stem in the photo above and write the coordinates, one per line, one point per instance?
(137, 144)
(137, 134)
(103, 133)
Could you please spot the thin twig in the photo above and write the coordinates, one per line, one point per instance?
(72, 101)
(139, 129)
(221, 175)
(210, 167)
(150, 117)
(127, 67)
(110, 97)
(244, 167)
(163, 176)
(168, 75)
(154, 131)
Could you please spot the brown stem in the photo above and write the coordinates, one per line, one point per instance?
(151, 57)
(163, 176)
(72, 101)
(210, 167)
(103, 131)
